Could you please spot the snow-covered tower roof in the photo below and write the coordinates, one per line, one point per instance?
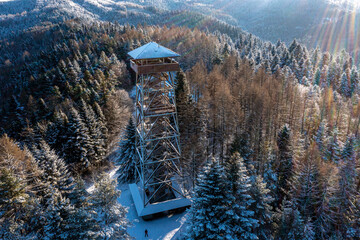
(152, 50)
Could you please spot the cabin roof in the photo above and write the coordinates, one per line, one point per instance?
(152, 50)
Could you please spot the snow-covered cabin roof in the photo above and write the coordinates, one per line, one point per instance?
(152, 50)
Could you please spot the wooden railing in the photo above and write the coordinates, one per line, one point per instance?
(172, 66)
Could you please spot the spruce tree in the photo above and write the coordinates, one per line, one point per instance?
(66, 216)
(262, 209)
(197, 146)
(128, 157)
(293, 46)
(208, 215)
(323, 82)
(242, 219)
(185, 111)
(77, 141)
(346, 193)
(309, 233)
(354, 80)
(192, 127)
(320, 137)
(16, 121)
(331, 75)
(348, 152)
(274, 64)
(323, 219)
(344, 85)
(57, 214)
(310, 192)
(317, 77)
(97, 146)
(183, 98)
(79, 196)
(54, 131)
(285, 162)
(82, 224)
(284, 59)
(43, 111)
(89, 120)
(241, 145)
(269, 175)
(55, 170)
(13, 204)
(110, 214)
(315, 57)
(102, 124)
(32, 136)
(332, 153)
(306, 189)
(64, 221)
(353, 232)
(291, 225)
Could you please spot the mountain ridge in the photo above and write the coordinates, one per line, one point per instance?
(314, 23)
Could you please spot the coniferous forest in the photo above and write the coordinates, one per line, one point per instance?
(269, 132)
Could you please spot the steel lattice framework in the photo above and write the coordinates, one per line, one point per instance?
(157, 138)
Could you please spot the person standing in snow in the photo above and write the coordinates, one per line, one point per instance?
(146, 233)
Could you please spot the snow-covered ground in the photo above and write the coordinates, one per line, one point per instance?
(168, 227)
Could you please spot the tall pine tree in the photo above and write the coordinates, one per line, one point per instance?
(77, 141)
(262, 209)
(128, 158)
(285, 162)
(208, 214)
(55, 170)
(239, 184)
(110, 214)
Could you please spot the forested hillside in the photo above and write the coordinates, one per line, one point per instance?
(330, 24)
(270, 129)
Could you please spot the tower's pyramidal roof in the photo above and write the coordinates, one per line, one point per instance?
(152, 50)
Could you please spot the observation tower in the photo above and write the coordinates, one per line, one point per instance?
(159, 186)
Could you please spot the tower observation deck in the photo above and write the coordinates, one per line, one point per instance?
(159, 186)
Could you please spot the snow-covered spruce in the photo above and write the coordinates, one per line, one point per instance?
(209, 216)
(285, 162)
(238, 182)
(263, 211)
(128, 157)
(64, 221)
(110, 214)
(292, 225)
(55, 170)
(77, 140)
(95, 126)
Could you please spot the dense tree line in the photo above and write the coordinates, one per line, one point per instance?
(233, 199)
(40, 199)
(300, 140)
(71, 99)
